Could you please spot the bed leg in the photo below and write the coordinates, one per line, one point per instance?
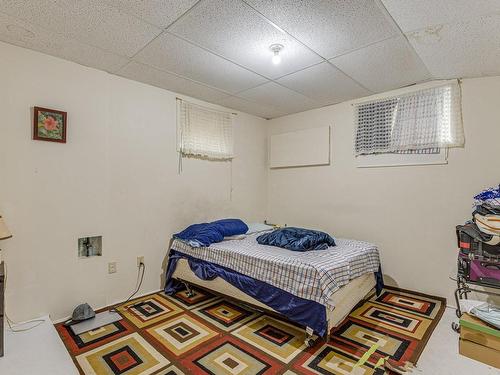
(308, 341)
(189, 290)
(328, 336)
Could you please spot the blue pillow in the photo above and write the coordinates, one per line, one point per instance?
(205, 234)
(231, 227)
(200, 235)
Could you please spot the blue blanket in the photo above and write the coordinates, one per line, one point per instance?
(205, 234)
(302, 311)
(297, 239)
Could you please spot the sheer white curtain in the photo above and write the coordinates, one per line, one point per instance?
(424, 119)
(204, 132)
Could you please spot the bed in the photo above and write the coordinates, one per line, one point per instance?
(316, 289)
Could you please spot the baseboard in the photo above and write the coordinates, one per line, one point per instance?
(57, 321)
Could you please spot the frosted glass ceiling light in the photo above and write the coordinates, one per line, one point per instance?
(276, 49)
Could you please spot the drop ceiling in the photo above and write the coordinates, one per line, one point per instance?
(218, 50)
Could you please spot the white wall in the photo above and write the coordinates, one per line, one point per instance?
(116, 177)
(409, 212)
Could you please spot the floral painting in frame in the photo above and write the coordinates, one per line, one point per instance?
(49, 125)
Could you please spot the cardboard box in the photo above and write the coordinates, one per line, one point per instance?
(475, 330)
(480, 353)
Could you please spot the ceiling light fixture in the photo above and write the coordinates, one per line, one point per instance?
(276, 49)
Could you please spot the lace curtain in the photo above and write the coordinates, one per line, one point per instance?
(421, 120)
(204, 132)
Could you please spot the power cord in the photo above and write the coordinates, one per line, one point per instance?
(39, 322)
(12, 323)
(142, 267)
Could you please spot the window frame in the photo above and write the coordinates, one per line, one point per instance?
(400, 160)
(204, 154)
(390, 159)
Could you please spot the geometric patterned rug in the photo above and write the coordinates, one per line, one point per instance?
(207, 334)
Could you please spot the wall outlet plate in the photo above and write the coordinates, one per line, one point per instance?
(112, 267)
(140, 259)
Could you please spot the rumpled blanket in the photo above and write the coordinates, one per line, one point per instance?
(205, 234)
(301, 310)
(297, 239)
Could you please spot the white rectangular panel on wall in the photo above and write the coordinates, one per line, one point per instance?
(300, 148)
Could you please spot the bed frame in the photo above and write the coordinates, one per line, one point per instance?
(344, 300)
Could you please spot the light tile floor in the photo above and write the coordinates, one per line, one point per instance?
(440, 356)
(37, 351)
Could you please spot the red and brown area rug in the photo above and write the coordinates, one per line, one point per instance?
(207, 334)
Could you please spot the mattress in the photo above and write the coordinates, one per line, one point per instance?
(313, 275)
(344, 300)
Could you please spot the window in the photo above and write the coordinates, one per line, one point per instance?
(204, 132)
(421, 123)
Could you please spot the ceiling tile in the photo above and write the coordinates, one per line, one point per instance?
(172, 54)
(158, 12)
(412, 15)
(89, 21)
(279, 97)
(465, 49)
(324, 83)
(25, 35)
(330, 27)
(171, 82)
(252, 108)
(234, 30)
(384, 66)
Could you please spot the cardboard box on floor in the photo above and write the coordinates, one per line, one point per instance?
(480, 353)
(479, 341)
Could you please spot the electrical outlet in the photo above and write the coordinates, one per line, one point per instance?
(112, 267)
(140, 260)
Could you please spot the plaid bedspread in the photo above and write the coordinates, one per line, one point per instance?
(313, 275)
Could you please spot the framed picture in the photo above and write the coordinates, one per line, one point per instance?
(49, 125)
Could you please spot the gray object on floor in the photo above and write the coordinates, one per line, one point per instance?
(80, 313)
(101, 319)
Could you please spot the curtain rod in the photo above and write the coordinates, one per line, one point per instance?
(177, 98)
